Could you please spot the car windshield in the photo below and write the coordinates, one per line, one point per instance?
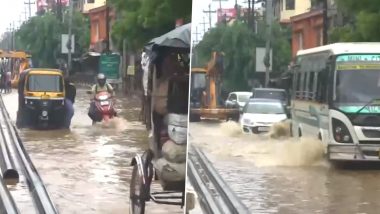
(42, 83)
(267, 94)
(264, 108)
(243, 97)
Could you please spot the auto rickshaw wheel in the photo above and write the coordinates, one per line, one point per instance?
(137, 198)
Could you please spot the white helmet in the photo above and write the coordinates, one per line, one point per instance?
(101, 79)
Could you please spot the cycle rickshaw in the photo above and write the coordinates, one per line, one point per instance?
(166, 114)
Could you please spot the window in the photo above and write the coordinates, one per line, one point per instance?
(290, 4)
(96, 31)
(49, 83)
(90, 1)
(319, 32)
(310, 79)
(232, 97)
(300, 41)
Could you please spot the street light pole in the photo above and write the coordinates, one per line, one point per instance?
(267, 58)
(69, 40)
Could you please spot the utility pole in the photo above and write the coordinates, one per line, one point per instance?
(59, 10)
(209, 12)
(30, 7)
(325, 22)
(25, 13)
(204, 25)
(196, 34)
(267, 59)
(69, 40)
(20, 21)
(9, 37)
(107, 27)
(13, 36)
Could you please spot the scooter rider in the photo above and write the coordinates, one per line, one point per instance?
(101, 86)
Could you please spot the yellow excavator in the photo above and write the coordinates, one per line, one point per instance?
(17, 61)
(205, 99)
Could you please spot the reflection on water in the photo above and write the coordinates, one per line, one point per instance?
(273, 173)
(86, 169)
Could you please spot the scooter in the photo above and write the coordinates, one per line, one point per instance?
(104, 106)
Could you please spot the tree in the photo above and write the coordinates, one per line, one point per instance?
(141, 21)
(41, 36)
(239, 43)
(365, 18)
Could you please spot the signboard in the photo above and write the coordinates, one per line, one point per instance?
(64, 41)
(260, 55)
(131, 70)
(358, 58)
(359, 67)
(41, 5)
(226, 13)
(109, 65)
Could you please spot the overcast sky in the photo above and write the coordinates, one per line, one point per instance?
(13, 10)
(198, 15)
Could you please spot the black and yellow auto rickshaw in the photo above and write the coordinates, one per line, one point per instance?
(41, 99)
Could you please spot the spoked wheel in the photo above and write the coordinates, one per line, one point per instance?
(137, 198)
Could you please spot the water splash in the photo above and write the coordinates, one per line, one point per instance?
(275, 148)
(118, 124)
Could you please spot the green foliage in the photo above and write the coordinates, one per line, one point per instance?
(41, 35)
(365, 15)
(239, 43)
(141, 21)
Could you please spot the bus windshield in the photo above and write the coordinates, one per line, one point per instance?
(357, 86)
(44, 83)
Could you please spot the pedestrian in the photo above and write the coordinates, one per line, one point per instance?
(71, 92)
(8, 82)
(3, 82)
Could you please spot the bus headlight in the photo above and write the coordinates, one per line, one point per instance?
(340, 132)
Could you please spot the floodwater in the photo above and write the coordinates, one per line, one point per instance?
(279, 174)
(87, 169)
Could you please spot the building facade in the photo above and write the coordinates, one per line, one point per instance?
(88, 5)
(307, 31)
(285, 9)
(100, 32)
(308, 27)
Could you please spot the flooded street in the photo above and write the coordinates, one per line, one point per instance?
(285, 175)
(86, 170)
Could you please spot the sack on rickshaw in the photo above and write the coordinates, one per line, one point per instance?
(174, 152)
(161, 96)
(177, 128)
(169, 171)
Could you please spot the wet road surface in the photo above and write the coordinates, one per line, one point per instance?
(285, 175)
(86, 170)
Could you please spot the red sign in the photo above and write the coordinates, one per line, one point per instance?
(41, 4)
(226, 13)
(46, 4)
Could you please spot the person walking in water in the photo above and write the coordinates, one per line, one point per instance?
(71, 92)
(8, 83)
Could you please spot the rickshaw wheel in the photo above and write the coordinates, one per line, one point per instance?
(137, 199)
